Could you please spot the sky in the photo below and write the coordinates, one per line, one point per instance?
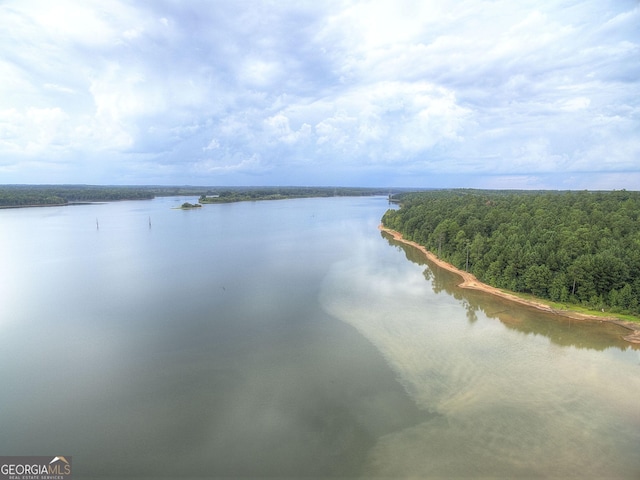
(476, 94)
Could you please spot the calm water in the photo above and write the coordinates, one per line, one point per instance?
(288, 339)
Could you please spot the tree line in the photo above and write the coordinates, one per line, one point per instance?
(243, 194)
(571, 247)
(27, 195)
(36, 195)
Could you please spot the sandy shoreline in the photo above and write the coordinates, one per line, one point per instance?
(471, 282)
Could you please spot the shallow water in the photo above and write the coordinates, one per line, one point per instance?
(288, 339)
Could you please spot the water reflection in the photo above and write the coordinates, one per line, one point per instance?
(560, 330)
(504, 402)
(265, 340)
(196, 348)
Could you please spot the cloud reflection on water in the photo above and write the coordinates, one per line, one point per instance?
(505, 402)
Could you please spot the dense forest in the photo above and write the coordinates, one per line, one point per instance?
(571, 247)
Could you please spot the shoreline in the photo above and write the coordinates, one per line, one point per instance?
(68, 204)
(469, 281)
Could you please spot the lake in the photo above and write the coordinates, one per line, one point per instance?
(290, 339)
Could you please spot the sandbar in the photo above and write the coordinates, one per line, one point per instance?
(469, 281)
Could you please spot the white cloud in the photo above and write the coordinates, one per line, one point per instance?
(251, 165)
(382, 89)
(259, 73)
(278, 127)
(213, 145)
(574, 104)
(82, 22)
(382, 122)
(47, 127)
(58, 88)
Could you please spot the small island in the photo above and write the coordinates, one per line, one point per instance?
(189, 206)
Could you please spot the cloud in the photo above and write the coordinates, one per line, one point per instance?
(309, 92)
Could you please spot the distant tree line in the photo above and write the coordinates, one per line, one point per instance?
(581, 247)
(227, 195)
(36, 195)
(25, 195)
